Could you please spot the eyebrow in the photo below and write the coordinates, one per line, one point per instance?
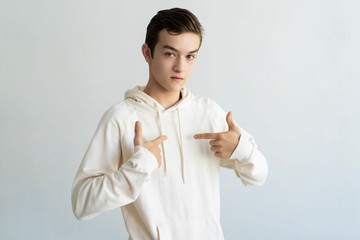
(175, 50)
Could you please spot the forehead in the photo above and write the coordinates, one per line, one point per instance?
(184, 42)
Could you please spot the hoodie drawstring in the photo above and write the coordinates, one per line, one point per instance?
(181, 147)
(180, 142)
(162, 144)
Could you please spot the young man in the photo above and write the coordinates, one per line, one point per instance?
(148, 155)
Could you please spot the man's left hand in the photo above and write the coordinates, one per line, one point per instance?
(223, 144)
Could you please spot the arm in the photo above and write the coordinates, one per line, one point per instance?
(103, 181)
(247, 161)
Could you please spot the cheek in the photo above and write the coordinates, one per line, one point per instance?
(156, 68)
(161, 65)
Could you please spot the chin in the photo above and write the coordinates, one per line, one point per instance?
(174, 90)
(173, 87)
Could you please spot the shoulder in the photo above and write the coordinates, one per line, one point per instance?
(117, 113)
(119, 109)
(211, 110)
(208, 105)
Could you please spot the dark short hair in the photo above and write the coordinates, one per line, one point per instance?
(175, 21)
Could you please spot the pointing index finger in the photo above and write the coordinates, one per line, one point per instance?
(159, 139)
(206, 136)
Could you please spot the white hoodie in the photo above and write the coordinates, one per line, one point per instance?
(179, 200)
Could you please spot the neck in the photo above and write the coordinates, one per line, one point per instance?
(166, 98)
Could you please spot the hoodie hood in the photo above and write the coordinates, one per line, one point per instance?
(144, 102)
(141, 101)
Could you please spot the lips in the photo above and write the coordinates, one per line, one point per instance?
(178, 79)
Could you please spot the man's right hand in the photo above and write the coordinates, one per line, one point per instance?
(152, 146)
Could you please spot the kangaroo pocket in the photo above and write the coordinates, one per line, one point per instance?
(199, 228)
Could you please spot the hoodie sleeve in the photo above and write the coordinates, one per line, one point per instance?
(247, 161)
(103, 181)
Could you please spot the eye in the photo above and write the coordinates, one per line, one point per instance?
(169, 54)
(190, 57)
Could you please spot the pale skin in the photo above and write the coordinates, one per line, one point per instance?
(169, 68)
(223, 144)
(170, 65)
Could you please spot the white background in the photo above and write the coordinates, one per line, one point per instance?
(289, 71)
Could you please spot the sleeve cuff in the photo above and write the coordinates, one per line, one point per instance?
(144, 159)
(243, 150)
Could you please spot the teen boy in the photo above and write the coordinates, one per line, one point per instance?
(148, 155)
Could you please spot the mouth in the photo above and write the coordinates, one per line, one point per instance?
(178, 79)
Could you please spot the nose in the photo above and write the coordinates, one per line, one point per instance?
(179, 65)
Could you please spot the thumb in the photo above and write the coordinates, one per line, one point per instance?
(138, 140)
(230, 122)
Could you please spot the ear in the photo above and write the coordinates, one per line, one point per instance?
(146, 52)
